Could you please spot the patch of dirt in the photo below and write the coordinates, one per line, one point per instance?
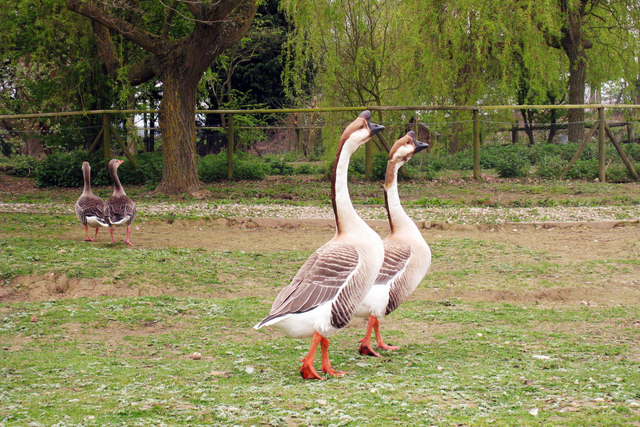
(562, 245)
(50, 286)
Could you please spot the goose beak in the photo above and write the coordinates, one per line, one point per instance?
(373, 127)
(419, 145)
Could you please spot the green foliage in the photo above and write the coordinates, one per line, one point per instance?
(65, 170)
(307, 169)
(514, 162)
(380, 165)
(213, 167)
(149, 170)
(551, 167)
(618, 172)
(584, 169)
(61, 170)
(24, 166)
(278, 166)
(490, 155)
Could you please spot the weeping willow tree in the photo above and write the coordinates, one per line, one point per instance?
(353, 49)
(461, 52)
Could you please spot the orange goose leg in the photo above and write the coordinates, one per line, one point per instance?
(111, 231)
(365, 348)
(96, 236)
(86, 232)
(326, 366)
(127, 241)
(307, 371)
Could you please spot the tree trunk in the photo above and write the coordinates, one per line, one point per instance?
(575, 44)
(577, 78)
(178, 133)
(527, 116)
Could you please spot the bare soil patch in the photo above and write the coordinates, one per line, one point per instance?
(561, 244)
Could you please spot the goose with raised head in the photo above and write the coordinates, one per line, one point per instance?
(323, 295)
(407, 256)
(120, 210)
(89, 207)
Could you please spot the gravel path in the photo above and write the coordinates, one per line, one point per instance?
(456, 215)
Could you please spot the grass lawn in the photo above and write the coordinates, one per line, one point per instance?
(513, 324)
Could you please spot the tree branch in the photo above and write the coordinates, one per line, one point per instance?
(168, 18)
(143, 71)
(106, 48)
(144, 39)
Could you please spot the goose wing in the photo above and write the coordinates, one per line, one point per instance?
(320, 279)
(90, 206)
(396, 259)
(120, 210)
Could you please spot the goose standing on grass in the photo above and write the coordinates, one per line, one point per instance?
(407, 256)
(90, 208)
(323, 295)
(120, 210)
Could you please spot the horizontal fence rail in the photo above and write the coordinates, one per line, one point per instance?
(597, 125)
(339, 109)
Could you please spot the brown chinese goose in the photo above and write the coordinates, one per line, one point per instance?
(323, 295)
(407, 256)
(90, 208)
(120, 210)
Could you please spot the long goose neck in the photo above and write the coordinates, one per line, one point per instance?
(398, 218)
(117, 187)
(346, 216)
(86, 175)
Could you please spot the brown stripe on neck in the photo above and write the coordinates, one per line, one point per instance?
(333, 183)
(386, 206)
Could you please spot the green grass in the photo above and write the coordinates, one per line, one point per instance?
(497, 365)
(124, 359)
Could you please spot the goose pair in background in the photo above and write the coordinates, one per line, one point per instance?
(355, 272)
(93, 212)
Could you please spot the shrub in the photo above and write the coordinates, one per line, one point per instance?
(380, 165)
(278, 166)
(584, 169)
(213, 167)
(24, 166)
(61, 170)
(307, 169)
(149, 170)
(490, 155)
(632, 151)
(251, 169)
(551, 167)
(618, 172)
(356, 166)
(514, 162)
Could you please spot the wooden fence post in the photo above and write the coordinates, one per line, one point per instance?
(625, 159)
(476, 145)
(230, 146)
(602, 168)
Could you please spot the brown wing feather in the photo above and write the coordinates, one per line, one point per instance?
(89, 206)
(119, 207)
(319, 280)
(396, 258)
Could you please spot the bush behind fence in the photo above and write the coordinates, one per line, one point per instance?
(509, 146)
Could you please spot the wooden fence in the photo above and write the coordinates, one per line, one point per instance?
(601, 127)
